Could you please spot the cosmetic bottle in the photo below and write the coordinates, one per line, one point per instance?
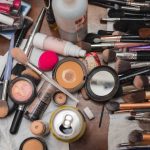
(71, 18)
(66, 48)
(40, 104)
(40, 128)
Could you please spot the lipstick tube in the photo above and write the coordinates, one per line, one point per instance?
(5, 8)
(15, 3)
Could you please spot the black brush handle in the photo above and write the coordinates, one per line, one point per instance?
(143, 56)
(17, 119)
(125, 78)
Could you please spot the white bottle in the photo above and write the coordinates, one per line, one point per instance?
(71, 18)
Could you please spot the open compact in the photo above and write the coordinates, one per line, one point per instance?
(33, 143)
(70, 73)
(102, 84)
(22, 91)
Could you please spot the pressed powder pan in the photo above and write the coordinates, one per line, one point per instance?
(70, 73)
(33, 143)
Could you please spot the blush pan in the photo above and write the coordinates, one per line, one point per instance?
(22, 90)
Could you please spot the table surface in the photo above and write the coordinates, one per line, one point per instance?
(95, 138)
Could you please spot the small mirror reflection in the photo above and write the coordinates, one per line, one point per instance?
(102, 83)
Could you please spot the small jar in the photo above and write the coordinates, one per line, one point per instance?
(40, 128)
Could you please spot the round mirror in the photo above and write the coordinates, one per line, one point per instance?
(102, 83)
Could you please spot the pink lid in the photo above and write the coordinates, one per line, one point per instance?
(17, 4)
(5, 8)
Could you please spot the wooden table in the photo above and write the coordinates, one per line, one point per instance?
(95, 138)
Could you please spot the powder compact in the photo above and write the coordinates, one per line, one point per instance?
(33, 143)
(102, 83)
(70, 73)
(22, 90)
(59, 98)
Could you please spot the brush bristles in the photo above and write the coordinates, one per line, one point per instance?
(141, 81)
(112, 106)
(19, 55)
(136, 97)
(122, 66)
(3, 109)
(109, 55)
(135, 136)
(32, 73)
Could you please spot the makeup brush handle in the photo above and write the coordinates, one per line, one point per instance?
(17, 119)
(143, 56)
(124, 78)
(9, 63)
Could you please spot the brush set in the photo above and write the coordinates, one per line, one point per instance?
(101, 66)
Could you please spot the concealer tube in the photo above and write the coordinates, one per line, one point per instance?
(40, 104)
(134, 106)
(65, 48)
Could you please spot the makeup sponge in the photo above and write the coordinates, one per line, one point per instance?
(47, 61)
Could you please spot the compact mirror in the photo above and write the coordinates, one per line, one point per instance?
(102, 83)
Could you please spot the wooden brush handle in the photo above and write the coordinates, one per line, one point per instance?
(146, 137)
(134, 106)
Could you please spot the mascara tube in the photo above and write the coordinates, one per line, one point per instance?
(40, 104)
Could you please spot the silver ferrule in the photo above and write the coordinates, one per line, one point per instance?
(34, 68)
(127, 56)
(36, 29)
(102, 45)
(140, 64)
(4, 93)
(139, 4)
(110, 19)
(130, 8)
(21, 107)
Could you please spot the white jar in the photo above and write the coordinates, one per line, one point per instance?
(71, 18)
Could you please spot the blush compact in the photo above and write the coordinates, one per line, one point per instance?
(70, 73)
(22, 90)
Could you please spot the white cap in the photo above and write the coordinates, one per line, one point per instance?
(38, 40)
(73, 50)
(6, 20)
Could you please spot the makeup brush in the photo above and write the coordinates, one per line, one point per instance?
(22, 58)
(141, 82)
(114, 106)
(36, 28)
(144, 32)
(138, 118)
(122, 66)
(121, 13)
(93, 47)
(109, 55)
(7, 74)
(145, 124)
(104, 32)
(135, 97)
(123, 19)
(138, 136)
(141, 9)
(132, 56)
